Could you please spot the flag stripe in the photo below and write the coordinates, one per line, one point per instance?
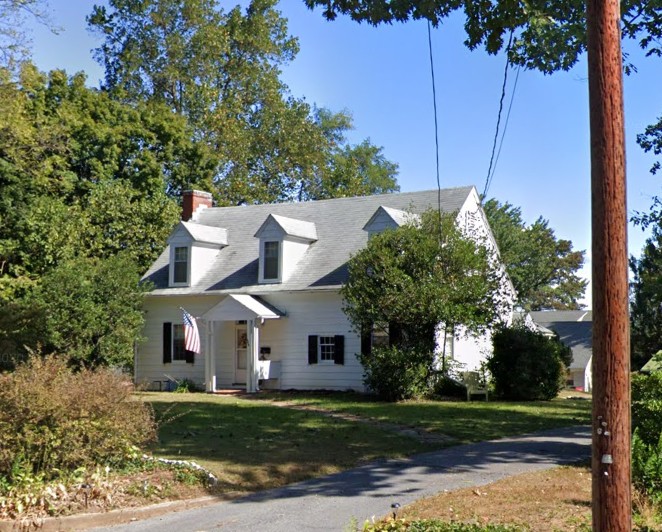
(191, 334)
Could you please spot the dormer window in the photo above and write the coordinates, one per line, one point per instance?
(193, 250)
(283, 242)
(180, 270)
(271, 261)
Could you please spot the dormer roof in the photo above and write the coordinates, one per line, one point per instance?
(385, 217)
(205, 234)
(290, 227)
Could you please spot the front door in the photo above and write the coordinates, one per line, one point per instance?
(241, 350)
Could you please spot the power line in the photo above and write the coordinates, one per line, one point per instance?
(436, 125)
(490, 174)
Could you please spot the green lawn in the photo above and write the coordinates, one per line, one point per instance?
(465, 422)
(251, 444)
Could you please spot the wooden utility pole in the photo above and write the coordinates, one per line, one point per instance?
(611, 338)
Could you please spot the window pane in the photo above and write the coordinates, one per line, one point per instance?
(271, 250)
(178, 352)
(327, 347)
(180, 274)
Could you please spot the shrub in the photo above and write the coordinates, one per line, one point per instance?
(647, 406)
(446, 385)
(394, 373)
(526, 365)
(54, 420)
(647, 467)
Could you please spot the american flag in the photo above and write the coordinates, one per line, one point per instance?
(191, 334)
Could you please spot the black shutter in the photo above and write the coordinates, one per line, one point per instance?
(312, 349)
(167, 343)
(394, 334)
(339, 351)
(366, 341)
(190, 356)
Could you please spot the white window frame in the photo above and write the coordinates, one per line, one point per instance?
(173, 253)
(330, 343)
(178, 327)
(263, 256)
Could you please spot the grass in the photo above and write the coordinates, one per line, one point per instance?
(465, 422)
(250, 445)
(558, 499)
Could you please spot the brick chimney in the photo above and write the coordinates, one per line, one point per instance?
(192, 201)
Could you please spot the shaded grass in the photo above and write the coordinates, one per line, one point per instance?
(465, 422)
(250, 445)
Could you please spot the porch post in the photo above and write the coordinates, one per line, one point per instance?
(252, 356)
(211, 356)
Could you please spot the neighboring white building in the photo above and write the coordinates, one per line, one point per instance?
(575, 329)
(264, 280)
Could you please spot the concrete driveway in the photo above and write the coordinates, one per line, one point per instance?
(331, 502)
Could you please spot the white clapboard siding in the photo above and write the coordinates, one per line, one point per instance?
(149, 366)
(307, 313)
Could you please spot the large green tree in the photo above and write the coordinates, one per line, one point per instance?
(83, 174)
(82, 181)
(221, 71)
(646, 300)
(543, 269)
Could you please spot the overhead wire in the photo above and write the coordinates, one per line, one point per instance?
(436, 126)
(490, 172)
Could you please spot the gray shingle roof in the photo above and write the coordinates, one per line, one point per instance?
(575, 329)
(339, 224)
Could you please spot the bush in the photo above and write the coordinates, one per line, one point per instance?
(526, 365)
(647, 406)
(446, 385)
(394, 373)
(54, 421)
(647, 467)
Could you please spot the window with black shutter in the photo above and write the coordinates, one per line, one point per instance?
(326, 348)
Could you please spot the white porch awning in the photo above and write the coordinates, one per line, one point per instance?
(241, 307)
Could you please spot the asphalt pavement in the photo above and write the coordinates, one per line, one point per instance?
(332, 502)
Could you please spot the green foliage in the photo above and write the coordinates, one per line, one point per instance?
(54, 420)
(543, 269)
(395, 373)
(646, 301)
(409, 264)
(93, 310)
(525, 365)
(445, 386)
(547, 36)
(647, 406)
(647, 467)
(431, 525)
(427, 264)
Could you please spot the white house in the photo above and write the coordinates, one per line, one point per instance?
(263, 282)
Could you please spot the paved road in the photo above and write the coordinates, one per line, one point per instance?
(329, 503)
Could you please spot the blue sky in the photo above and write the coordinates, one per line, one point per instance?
(382, 75)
